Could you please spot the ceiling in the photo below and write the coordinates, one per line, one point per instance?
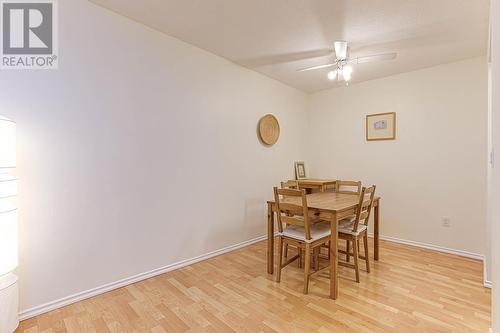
(274, 36)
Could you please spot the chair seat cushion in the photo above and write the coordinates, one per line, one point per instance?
(318, 231)
(346, 226)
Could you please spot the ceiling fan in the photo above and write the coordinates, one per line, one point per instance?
(343, 64)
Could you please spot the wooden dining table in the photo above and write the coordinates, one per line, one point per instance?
(329, 206)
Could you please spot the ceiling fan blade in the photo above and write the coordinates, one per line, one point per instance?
(341, 49)
(374, 58)
(316, 67)
(283, 58)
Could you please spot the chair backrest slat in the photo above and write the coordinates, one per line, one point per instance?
(364, 207)
(289, 192)
(290, 184)
(363, 216)
(291, 208)
(348, 187)
(292, 220)
(366, 203)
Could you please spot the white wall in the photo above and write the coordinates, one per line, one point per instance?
(495, 107)
(140, 151)
(437, 165)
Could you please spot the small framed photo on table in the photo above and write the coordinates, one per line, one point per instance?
(381, 126)
(300, 170)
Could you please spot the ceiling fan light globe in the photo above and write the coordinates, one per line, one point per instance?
(347, 73)
(332, 75)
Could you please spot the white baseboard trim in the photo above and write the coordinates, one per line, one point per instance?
(432, 247)
(486, 283)
(38, 310)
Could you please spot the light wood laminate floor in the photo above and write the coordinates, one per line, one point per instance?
(408, 290)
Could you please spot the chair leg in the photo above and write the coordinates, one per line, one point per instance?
(307, 267)
(356, 258)
(313, 260)
(367, 257)
(299, 260)
(280, 259)
(316, 258)
(347, 249)
(286, 251)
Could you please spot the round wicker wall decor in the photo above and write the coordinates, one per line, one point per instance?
(269, 129)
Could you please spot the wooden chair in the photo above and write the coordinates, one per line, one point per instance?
(347, 187)
(353, 229)
(294, 185)
(291, 207)
(344, 187)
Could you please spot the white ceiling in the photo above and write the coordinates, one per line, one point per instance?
(272, 36)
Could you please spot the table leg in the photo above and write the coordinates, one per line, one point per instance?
(334, 283)
(376, 231)
(270, 239)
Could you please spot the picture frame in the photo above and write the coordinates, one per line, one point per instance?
(300, 170)
(381, 126)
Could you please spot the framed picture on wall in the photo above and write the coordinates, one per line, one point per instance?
(300, 170)
(381, 126)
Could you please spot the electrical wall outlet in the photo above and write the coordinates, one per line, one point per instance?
(445, 221)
